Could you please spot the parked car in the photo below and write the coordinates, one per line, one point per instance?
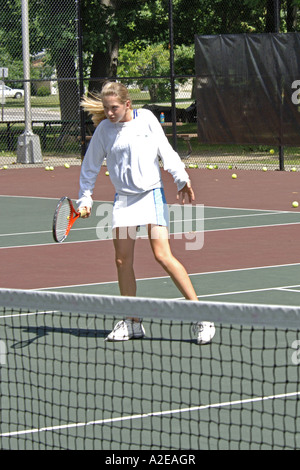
(11, 92)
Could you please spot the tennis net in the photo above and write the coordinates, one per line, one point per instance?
(64, 387)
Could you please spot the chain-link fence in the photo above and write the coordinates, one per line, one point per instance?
(75, 45)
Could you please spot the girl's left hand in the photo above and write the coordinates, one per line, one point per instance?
(187, 190)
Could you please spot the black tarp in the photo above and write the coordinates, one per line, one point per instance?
(248, 88)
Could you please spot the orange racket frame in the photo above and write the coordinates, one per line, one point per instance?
(62, 223)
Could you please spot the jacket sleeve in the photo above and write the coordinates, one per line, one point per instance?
(90, 169)
(171, 160)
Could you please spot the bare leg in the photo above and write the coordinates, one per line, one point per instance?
(159, 240)
(124, 242)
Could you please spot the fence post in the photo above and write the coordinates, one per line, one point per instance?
(277, 8)
(172, 74)
(81, 85)
(29, 147)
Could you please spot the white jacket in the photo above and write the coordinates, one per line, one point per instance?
(131, 150)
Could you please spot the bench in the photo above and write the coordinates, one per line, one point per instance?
(47, 128)
(186, 137)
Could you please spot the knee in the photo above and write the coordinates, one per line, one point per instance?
(123, 261)
(161, 257)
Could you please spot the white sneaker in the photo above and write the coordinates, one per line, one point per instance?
(205, 331)
(125, 330)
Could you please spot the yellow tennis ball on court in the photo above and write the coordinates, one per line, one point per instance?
(265, 168)
(67, 165)
(107, 173)
(295, 204)
(272, 151)
(234, 176)
(51, 168)
(5, 167)
(47, 168)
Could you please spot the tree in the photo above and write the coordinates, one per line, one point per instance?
(150, 61)
(111, 24)
(100, 39)
(292, 10)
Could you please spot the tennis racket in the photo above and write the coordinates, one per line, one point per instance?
(64, 217)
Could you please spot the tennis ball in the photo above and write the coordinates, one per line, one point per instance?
(210, 167)
(107, 173)
(216, 167)
(234, 176)
(229, 167)
(265, 168)
(47, 168)
(295, 204)
(67, 165)
(5, 167)
(272, 151)
(51, 168)
(294, 169)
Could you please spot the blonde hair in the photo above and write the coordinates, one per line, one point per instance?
(93, 103)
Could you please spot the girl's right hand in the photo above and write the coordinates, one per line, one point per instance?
(86, 211)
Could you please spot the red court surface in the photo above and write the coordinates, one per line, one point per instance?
(56, 265)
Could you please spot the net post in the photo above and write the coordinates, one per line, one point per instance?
(281, 158)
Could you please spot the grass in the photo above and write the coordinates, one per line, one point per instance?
(51, 101)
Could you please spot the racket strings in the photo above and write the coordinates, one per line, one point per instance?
(63, 220)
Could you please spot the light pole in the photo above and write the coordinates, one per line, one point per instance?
(29, 147)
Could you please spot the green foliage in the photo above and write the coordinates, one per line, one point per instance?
(43, 91)
(135, 60)
(151, 61)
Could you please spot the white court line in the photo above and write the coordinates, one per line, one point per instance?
(44, 231)
(173, 222)
(146, 236)
(26, 314)
(256, 214)
(287, 288)
(226, 271)
(149, 415)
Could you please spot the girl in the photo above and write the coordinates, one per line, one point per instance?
(131, 141)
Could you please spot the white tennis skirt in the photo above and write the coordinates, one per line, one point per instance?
(140, 209)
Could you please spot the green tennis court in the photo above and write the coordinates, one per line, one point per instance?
(28, 221)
